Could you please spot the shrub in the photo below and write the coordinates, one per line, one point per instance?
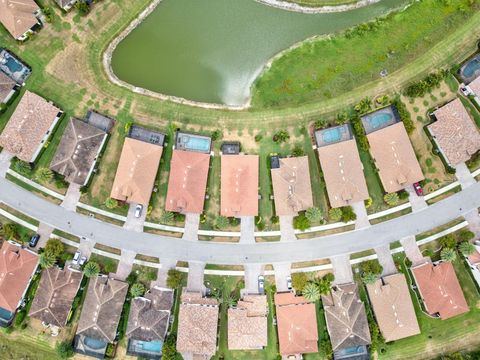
(55, 246)
(258, 137)
(234, 221)
(369, 278)
(298, 151)
(222, 222)
(335, 214)
(364, 106)
(466, 248)
(216, 135)
(137, 290)
(167, 217)
(448, 241)
(174, 278)
(320, 123)
(403, 195)
(404, 115)
(10, 231)
(348, 214)
(20, 317)
(360, 133)
(313, 214)
(341, 118)
(82, 7)
(465, 235)
(281, 136)
(391, 199)
(274, 219)
(43, 175)
(111, 203)
(169, 350)
(91, 269)
(301, 222)
(371, 266)
(299, 280)
(448, 254)
(64, 349)
(311, 292)
(22, 167)
(368, 202)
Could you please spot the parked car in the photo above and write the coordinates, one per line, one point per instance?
(261, 284)
(289, 283)
(138, 211)
(82, 261)
(418, 189)
(76, 257)
(465, 91)
(34, 240)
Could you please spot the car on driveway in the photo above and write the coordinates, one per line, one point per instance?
(76, 257)
(82, 261)
(34, 240)
(289, 283)
(418, 189)
(261, 284)
(138, 211)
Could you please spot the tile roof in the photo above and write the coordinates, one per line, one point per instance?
(17, 266)
(475, 86)
(247, 323)
(149, 315)
(291, 186)
(187, 182)
(440, 289)
(297, 324)
(136, 172)
(77, 152)
(394, 157)
(455, 132)
(28, 125)
(343, 173)
(197, 325)
(18, 16)
(346, 318)
(102, 308)
(239, 185)
(54, 297)
(393, 307)
(6, 86)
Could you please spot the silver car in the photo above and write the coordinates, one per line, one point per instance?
(76, 257)
(138, 211)
(261, 284)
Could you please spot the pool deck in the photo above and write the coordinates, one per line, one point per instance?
(181, 138)
(367, 119)
(18, 76)
(345, 130)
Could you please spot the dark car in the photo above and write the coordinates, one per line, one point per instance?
(34, 240)
(418, 189)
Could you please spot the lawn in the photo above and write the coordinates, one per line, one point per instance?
(19, 346)
(315, 3)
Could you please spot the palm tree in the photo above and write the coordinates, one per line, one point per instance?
(166, 217)
(230, 301)
(47, 259)
(391, 199)
(448, 254)
(137, 290)
(9, 231)
(324, 286)
(111, 203)
(91, 269)
(222, 222)
(22, 167)
(335, 214)
(311, 292)
(369, 278)
(466, 248)
(313, 214)
(43, 175)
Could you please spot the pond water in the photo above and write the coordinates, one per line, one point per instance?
(212, 50)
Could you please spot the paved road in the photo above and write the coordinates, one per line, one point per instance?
(235, 253)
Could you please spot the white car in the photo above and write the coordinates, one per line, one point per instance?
(76, 257)
(289, 283)
(82, 261)
(138, 211)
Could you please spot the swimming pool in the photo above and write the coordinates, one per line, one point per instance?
(94, 343)
(380, 120)
(196, 143)
(332, 135)
(13, 65)
(472, 67)
(151, 346)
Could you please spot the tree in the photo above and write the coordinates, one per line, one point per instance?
(335, 214)
(82, 7)
(167, 217)
(301, 222)
(448, 241)
(47, 259)
(222, 222)
(466, 248)
(364, 106)
(320, 123)
(313, 214)
(369, 278)
(465, 235)
(348, 214)
(311, 292)
(169, 351)
(230, 301)
(55, 246)
(281, 136)
(174, 278)
(341, 118)
(9, 231)
(111, 203)
(391, 199)
(22, 167)
(64, 349)
(299, 280)
(371, 266)
(325, 283)
(448, 254)
(298, 151)
(43, 175)
(137, 290)
(91, 269)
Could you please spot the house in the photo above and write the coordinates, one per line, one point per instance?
(7, 87)
(341, 166)
(291, 185)
(78, 151)
(247, 323)
(55, 294)
(347, 322)
(136, 172)
(393, 307)
(19, 17)
(17, 266)
(187, 182)
(148, 323)
(455, 133)
(29, 127)
(475, 86)
(239, 185)
(440, 290)
(297, 325)
(474, 263)
(100, 316)
(65, 4)
(394, 157)
(197, 326)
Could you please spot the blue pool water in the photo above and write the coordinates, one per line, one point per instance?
(197, 144)
(13, 66)
(332, 135)
(380, 120)
(5, 314)
(472, 67)
(94, 343)
(151, 346)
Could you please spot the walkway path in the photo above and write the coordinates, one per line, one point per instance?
(5, 159)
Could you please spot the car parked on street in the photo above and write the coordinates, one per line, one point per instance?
(34, 240)
(261, 284)
(418, 189)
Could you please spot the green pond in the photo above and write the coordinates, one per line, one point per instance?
(212, 50)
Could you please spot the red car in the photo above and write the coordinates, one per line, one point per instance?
(418, 189)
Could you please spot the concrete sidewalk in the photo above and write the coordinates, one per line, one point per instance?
(5, 160)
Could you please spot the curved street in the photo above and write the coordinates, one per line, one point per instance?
(235, 253)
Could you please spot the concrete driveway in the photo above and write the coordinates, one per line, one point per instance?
(287, 232)
(362, 216)
(125, 265)
(195, 276)
(464, 176)
(473, 219)
(132, 223)
(45, 232)
(192, 222)
(386, 260)
(342, 269)
(282, 272)
(252, 272)
(86, 246)
(247, 229)
(72, 197)
(5, 159)
(412, 251)
(418, 202)
(162, 273)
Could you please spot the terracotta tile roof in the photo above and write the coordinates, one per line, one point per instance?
(54, 297)
(343, 173)
(28, 125)
(297, 324)
(197, 325)
(393, 307)
(187, 182)
(346, 318)
(291, 186)
(247, 324)
(149, 315)
(6, 86)
(440, 289)
(455, 132)
(77, 152)
(136, 172)
(17, 266)
(239, 185)
(18, 16)
(394, 157)
(102, 308)
(475, 86)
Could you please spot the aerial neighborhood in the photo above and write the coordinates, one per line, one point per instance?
(136, 223)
